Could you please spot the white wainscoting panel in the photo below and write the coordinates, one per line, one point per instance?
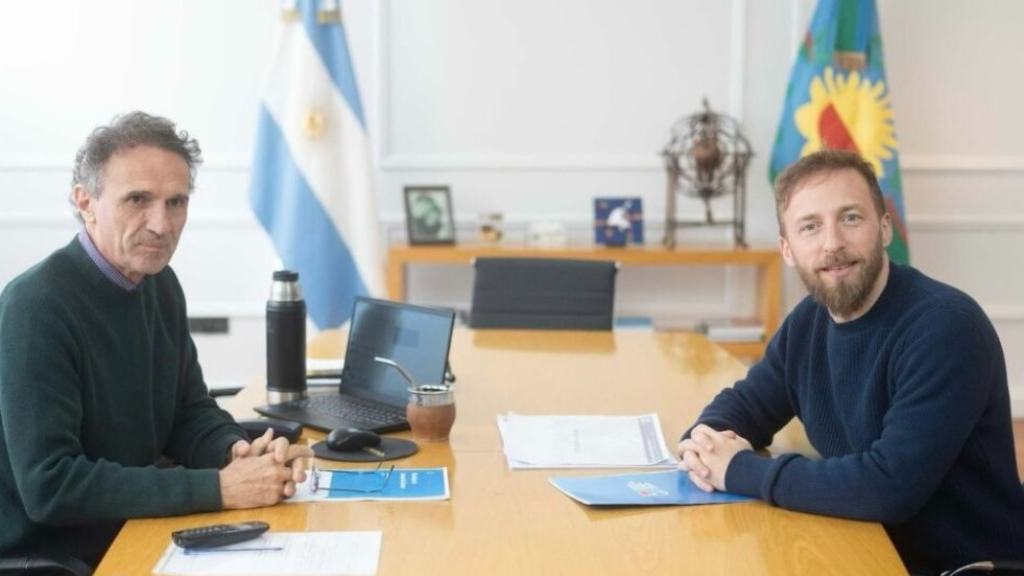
(951, 67)
(491, 78)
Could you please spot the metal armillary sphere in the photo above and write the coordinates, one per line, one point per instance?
(707, 157)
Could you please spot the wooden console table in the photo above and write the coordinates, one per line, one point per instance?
(768, 263)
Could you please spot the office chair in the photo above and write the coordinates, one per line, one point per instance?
(995, 567)
(43, 566)
(1006, 568)
(541, 293)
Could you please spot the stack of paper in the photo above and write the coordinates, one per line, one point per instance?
(733, 330)
(583, 441)
(324, 367)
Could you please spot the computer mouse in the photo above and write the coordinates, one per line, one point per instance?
(350, 439)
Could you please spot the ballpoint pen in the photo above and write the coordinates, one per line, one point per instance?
(191, 551)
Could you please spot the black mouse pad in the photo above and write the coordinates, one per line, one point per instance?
(393, 449)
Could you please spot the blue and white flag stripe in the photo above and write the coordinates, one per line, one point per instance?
(312, 186)
(333, 50)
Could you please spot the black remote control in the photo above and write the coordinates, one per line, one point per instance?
(218, 534)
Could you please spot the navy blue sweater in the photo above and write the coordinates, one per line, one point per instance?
(908, 407)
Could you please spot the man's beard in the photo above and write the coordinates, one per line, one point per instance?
(849, 294)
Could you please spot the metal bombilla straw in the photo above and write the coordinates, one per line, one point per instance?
(405, 373)
(422, 394)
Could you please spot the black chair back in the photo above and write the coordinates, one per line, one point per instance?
(43, 566)
(542, 293)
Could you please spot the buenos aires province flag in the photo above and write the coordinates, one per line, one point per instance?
(838, 98)
(312, 186)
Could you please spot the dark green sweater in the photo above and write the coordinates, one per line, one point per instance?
(97, 384)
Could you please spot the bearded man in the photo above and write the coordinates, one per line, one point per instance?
(898, 379)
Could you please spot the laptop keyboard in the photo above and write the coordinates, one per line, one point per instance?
(351, 408)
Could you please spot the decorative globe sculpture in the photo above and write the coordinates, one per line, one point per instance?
(707, 157)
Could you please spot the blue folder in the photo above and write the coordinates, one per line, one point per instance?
(671, 488)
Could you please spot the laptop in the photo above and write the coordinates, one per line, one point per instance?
(373, 396)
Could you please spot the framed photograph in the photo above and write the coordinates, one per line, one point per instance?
(428, 215)
(618, 221)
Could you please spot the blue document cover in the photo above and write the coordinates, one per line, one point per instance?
(671, 488)
(398, 484)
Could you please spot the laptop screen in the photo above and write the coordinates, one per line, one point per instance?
(415, 337)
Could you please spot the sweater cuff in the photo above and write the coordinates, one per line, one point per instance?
(205, 490)
(746, 474)
(219, 453)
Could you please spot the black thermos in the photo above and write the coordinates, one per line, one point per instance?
(286, 339)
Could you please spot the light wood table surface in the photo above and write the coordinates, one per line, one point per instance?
(514, 522)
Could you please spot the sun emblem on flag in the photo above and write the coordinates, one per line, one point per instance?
(848, 113)
(314, 124)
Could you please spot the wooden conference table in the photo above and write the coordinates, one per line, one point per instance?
(513, 522)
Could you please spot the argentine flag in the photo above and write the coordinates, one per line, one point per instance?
(312, 187)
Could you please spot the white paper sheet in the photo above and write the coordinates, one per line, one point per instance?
(280, 553)
(584, 441)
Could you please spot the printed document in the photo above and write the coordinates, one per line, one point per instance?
(298, 553)
(583, 441)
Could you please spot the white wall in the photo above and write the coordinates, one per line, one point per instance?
(530, 108)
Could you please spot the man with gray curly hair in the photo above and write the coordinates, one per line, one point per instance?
(132, 142)
(96, 360)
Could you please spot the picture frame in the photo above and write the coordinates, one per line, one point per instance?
(618, 221)
(428, 215)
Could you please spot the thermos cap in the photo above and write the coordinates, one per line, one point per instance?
(286, 275)
(285, 288)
